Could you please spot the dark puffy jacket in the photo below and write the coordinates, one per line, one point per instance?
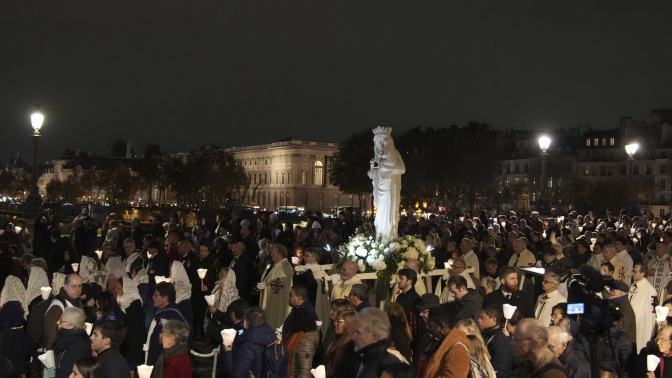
(575, 363)
(470, 305)
(501, 354)
(70, 346)
(247, 352)
(625, 350)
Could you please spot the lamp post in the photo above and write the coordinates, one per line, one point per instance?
(544, 143)
(631, 150)
(33, 202)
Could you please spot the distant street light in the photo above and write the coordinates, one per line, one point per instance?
(33, 202)
(544, 143)
(631, 150)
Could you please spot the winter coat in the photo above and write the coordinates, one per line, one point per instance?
(131, 347)
(575, 363)
(114, 364)
(247, 352)
(624, 348)
(70, 346)
(374, 355)
(470, 304)
(178, 367)
(501, 353)
(303, 355)
(450, 360)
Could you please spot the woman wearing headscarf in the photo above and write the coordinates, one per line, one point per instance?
(133, 317)
(225, 292)
(180, 279)
(141, 279)
(36, 280)
(12, 317)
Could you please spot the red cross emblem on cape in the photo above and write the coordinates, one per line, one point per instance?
(277, 285)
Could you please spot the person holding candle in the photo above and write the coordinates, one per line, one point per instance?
(133, 316)
(72, 342)
(173, 362)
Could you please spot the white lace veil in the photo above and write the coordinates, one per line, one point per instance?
(131, 293)
(37, 280)
(87, 269)
(141, 277)
(229, 291)
(14, 291)
(57, 282)
(181, 281)
(115, 266)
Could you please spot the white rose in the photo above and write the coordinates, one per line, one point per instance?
(361, 267)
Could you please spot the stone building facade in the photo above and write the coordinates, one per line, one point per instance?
(292, 173)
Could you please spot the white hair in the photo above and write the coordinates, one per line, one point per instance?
(563, 336)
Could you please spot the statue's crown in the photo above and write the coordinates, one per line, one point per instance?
(382, 131)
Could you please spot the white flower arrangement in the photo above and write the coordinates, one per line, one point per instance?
(385, 259)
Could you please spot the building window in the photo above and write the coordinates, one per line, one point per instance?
(662, 212)
(596, 142)
(527, 166)
(304, 178)
(635, 169)
(603, 170)
(604, 141)
(648, 169)
(508, 168)
(587, 170)
(282, 198)
(318, 173)
(663, 168)
(287, 202)
(517, 169)
(612, 141)
(662, 184)
(588, 142)
(276, 178)
(283, 178)
(265, 178)
(662, 199)
(275, 199)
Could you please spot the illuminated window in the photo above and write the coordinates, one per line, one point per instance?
(596, 142)
(588, 142)
(304, 178)
(318, 173)
(612, 141)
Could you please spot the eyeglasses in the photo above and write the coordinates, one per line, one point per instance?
(556, 316)
(336, 321)
(658, 340)
(547, 282)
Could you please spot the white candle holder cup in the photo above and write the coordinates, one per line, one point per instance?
(228, 335)
(210, 299)
(75, 267)
(45, 292)
(652, 362)
(47, 359)
(319, 372)
(145, 371)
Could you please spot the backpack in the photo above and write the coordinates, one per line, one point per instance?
(476, 370)
(274, 360)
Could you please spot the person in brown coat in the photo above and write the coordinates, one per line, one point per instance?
(448, 355)
(530, 341)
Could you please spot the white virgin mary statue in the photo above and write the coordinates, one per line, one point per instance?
(386, 170)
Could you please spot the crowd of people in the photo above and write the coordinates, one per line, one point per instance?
(123, 296)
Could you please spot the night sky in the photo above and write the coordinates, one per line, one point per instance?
(232, 73)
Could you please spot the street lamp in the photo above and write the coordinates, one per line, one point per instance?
(631, 150)
(34, 201)
(544, 143)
